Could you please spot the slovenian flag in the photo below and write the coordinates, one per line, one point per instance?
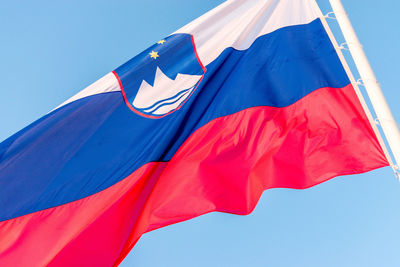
(250, 96)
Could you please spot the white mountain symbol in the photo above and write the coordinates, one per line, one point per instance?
(166, 94)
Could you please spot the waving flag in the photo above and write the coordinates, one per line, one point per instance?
(250, 96)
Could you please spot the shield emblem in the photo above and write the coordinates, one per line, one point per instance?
(162, 78)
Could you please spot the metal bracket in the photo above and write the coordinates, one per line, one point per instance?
(330, 15)
(344, 46)
(396, 171)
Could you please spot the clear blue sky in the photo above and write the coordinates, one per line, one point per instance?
(50, 50)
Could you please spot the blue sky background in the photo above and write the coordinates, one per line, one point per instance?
(50, 50)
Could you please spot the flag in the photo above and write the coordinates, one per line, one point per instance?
(250, 96)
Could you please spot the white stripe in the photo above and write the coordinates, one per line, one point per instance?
(237, 23)
(107, 83)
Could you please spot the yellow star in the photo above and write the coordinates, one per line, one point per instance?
(161, 42)
(154, 54)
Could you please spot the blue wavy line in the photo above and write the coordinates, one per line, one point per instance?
(165, 104)
(162, 101)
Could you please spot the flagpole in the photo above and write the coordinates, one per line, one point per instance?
(382, 110)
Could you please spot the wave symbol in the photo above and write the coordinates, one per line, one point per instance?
(166, 94)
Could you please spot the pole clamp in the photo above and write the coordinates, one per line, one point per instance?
(396, 170)
(330, 15)
(344, 46)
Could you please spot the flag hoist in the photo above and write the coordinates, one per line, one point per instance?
(384, 115)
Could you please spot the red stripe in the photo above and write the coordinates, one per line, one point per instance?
(224, 166)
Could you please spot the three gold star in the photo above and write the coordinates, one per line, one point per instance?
(154, 54)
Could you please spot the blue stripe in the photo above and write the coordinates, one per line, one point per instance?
(93, 143)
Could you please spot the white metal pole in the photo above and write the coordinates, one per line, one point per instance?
(385, 117)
